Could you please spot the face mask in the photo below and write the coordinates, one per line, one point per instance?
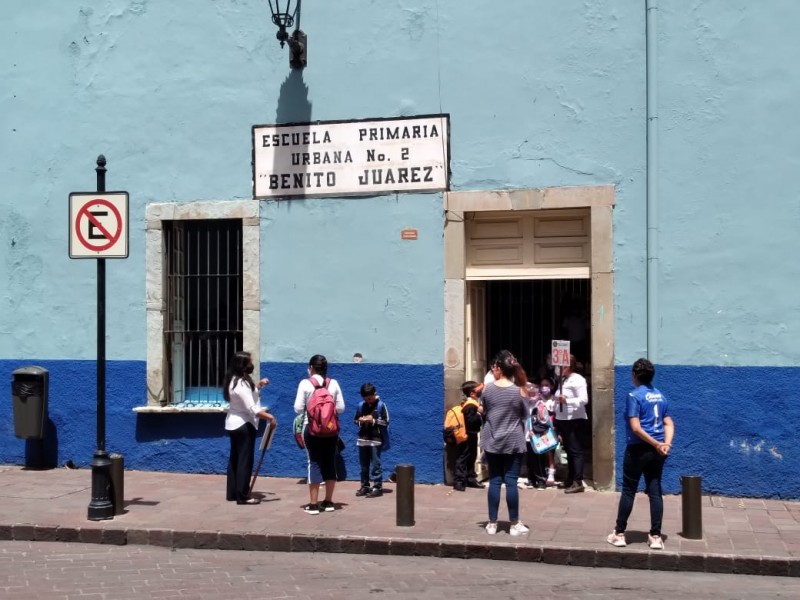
(545, 390)
(249, 369)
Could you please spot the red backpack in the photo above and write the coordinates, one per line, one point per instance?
(321, 408)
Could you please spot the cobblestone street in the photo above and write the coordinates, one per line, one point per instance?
(58, 571)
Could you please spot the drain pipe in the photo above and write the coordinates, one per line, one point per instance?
(651, 60)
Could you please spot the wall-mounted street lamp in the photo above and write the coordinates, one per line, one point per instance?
(283, 19)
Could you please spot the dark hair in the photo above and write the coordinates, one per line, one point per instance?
(547, 379)
(235, 373)
(500, 357)
(575, 365)
(468, 387)
(367, 390)
(320, 365)
(511, 369)
(644, 371)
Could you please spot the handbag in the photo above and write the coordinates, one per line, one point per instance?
(544, 442)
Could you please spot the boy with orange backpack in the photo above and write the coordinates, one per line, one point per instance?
(462, 425)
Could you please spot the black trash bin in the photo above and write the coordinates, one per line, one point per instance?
(29, 392)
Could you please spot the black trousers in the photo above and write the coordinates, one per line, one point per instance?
(572, 437)
(641, 459)
(240, 463)
(466, 455)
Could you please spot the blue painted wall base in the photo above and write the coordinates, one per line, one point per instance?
(196, 443)
(729, 421)
(732, 426)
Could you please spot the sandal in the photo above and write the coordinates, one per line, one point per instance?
(249, 501)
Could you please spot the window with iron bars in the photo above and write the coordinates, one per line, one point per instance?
(203, 308)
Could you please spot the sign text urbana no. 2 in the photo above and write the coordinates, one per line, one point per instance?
(346, 158)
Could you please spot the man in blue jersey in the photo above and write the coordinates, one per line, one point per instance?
(650, 430)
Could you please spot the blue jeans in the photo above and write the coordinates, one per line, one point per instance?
(504, 468)
(370, 455)
(641, 459)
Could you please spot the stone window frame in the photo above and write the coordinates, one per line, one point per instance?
(600, 201)
(249, 213)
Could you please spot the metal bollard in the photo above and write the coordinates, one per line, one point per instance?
(404, 490)
(117, 476)
(691, 507)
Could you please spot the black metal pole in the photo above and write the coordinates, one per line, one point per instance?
(404, 492)
(100, 507)
(692, 507)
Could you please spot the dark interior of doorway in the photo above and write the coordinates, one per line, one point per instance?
(524, 316)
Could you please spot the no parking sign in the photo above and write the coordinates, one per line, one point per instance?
(98, 225)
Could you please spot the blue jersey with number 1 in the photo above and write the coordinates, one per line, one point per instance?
(650, 406)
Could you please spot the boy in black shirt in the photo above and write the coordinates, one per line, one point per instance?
(372, 418)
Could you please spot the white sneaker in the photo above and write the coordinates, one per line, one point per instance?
(551, 477)
(617, 539)
(518, 529)
(311, 509)
(491, 528)
(655, 542)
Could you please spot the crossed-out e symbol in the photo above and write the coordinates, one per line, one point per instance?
(97, 230)
(93, 225)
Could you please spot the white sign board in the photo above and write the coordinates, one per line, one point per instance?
(560, 353)
(348, 158)
(98, 225)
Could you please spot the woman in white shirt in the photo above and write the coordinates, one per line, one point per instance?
(321, 451)
(571, 423)
(241, 424)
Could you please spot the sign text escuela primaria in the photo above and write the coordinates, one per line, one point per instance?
(346, 158)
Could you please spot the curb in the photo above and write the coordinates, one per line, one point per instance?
(277, 542)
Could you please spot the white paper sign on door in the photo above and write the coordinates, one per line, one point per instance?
(560, 353)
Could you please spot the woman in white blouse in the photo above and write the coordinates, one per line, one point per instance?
(241, 424)
(572, 423)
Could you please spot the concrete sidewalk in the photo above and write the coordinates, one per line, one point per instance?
(189, 511)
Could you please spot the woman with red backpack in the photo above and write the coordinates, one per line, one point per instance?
(319, 398)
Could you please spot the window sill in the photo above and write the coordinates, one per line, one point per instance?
(171, 410)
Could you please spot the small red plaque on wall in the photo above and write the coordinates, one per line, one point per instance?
(408, 234)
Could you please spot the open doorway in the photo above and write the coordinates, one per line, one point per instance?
(556, 235)
(524, 316)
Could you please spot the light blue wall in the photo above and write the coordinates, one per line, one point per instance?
(729, 213)
(729, 193)
(337, 279)
(168, 92)
(539, 94)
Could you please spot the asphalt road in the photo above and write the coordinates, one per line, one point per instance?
(57, 571)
